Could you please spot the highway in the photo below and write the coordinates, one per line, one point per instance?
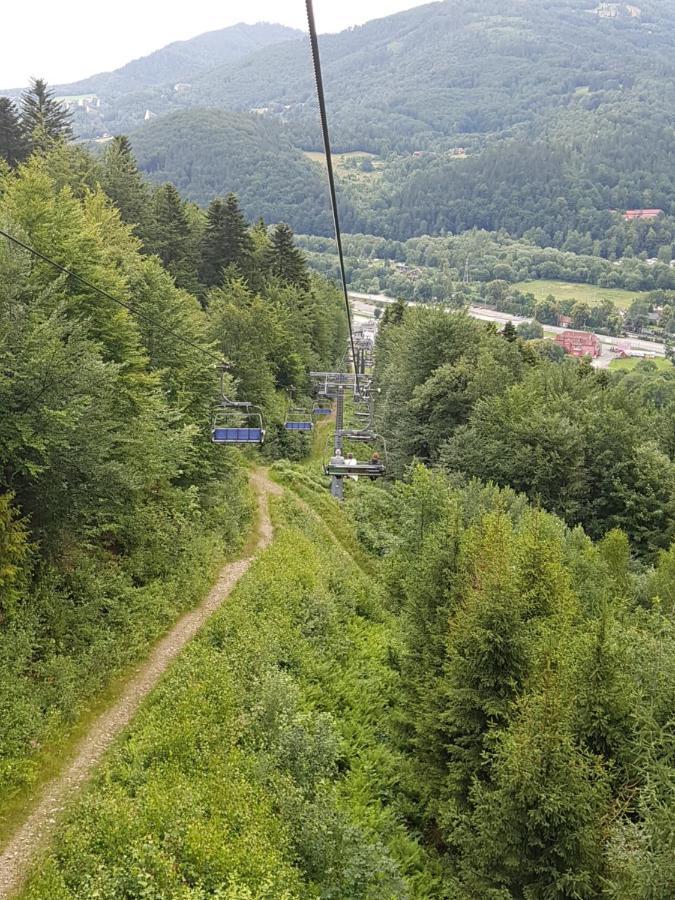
(364, 303)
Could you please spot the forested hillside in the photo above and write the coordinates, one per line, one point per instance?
(453, 71)
(209, 152)
(115, 508)
(183, 60)
(546, 120)
(596, 450)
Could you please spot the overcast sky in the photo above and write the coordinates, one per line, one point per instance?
(65, 40)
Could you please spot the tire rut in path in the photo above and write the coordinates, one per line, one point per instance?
(20, 852)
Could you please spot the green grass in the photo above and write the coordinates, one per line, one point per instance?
(588, 293)
(340, 161)
(627, 365)
(262, 764)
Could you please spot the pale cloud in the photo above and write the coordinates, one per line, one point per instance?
(71, 39)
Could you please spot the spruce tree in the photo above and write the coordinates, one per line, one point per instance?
(13, 143)
(487, 659)
(226, 241)
(261, 246)
(44, 119)
(14, 554)
(170, 236)
(124, 184)
(537, 827)
(509, 333)
(284, 260)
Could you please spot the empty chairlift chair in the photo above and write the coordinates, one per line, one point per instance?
(298, 419)
(237, 423)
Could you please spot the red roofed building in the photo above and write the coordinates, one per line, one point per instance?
(632, 214)
(579, 343)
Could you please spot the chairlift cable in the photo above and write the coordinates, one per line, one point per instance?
(314, 42)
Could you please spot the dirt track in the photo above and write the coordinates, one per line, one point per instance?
(18, 855)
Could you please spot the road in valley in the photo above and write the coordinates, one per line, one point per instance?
(364, 303)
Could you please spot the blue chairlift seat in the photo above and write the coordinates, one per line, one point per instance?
(298, 426)
(237, 423)
(224, 435)
(322, 410)
(298, 419)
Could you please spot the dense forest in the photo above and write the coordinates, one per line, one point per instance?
(377, 264)
(420, 82)
(210, 152)
(596, 449)
(115, 509)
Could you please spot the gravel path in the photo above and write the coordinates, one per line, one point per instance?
(18, 855)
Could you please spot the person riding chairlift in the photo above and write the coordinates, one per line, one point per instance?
(336, 459)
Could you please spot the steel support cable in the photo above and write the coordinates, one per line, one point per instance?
(141, 315)
(314, 42)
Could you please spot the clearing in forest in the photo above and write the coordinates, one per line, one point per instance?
(585, 293)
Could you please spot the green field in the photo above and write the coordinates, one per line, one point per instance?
(341, 163)
(588, 293)
(627, 365)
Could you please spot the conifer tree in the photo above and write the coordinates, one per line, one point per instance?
(13, 144)
(394, 314)
(537, 827)
(226, 241)
(44, 119)
(509, 333)
(261, 246)
(487, 657)
(284, 260)
(13, 555)
(171, 238)
(123, 183)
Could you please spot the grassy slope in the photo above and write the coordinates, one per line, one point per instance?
(252, 768)
(627, 365)
(587, 293)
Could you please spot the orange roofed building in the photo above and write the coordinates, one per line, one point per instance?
(632, 214)
(579, 343)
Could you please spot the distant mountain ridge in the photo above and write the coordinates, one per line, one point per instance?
(447, 71)
(538, 117)
(437, 75)
(182, 61)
